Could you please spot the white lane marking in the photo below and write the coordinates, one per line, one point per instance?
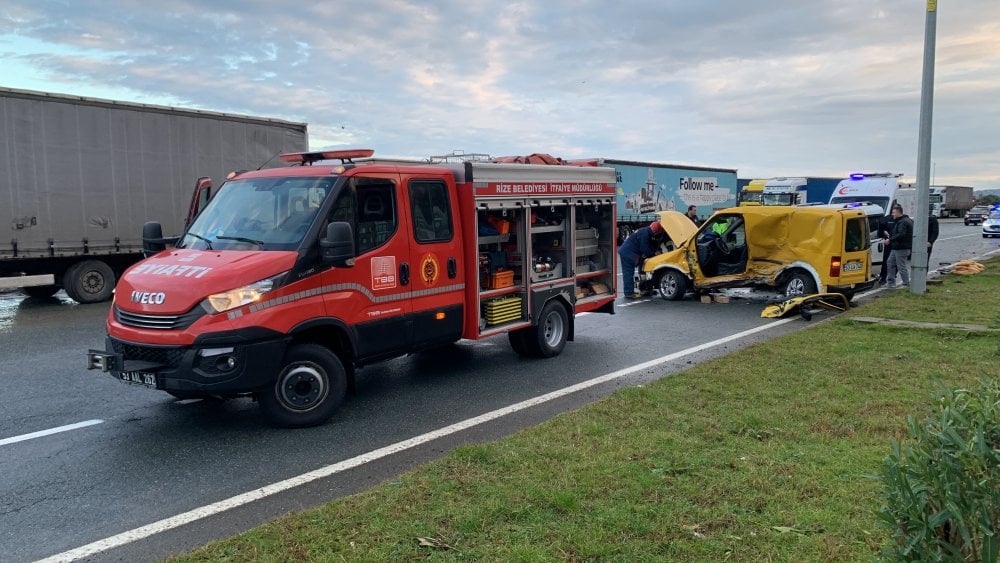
(187, 401)
(281, 486)
(49, 432)
(959, 236)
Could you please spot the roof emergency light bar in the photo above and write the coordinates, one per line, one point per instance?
(304, 158)
(862, 175)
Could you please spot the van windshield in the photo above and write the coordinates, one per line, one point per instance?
(882, 202)
(258, 214)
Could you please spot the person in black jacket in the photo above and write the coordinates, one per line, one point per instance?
(932, 235)
(885, 225)
(901, 240)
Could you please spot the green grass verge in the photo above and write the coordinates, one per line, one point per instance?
(764, 454)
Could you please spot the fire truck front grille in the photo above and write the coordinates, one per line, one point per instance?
(160, 322)
(167, 356)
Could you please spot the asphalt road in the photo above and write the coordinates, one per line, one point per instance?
(145, 457)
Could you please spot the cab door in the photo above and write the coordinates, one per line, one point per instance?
(719, 250)
(373, 296)
(436, 271)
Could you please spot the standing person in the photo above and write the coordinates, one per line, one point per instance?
(885, 225)
(692, 214)
(932, 235)
(642, 243)
(901, 240)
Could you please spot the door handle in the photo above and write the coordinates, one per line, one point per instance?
(452, 267)
(404, 274)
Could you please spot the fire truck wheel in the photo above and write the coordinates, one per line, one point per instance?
(309, 389)
(798, 283)
(90, 281)
(517, 342)
(548, 337)
(672, 285)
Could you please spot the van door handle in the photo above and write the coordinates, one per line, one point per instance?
(404, 273)
(452, 267)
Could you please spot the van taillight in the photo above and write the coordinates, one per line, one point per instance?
(835, 267)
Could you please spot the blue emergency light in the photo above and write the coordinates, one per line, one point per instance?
(857, 176)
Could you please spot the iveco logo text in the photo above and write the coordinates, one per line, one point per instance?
(148, 298)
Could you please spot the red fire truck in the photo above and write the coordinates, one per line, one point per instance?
(290, 278)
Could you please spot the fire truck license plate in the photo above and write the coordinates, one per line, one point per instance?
(138, 378)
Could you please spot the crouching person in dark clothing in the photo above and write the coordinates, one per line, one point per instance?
(642, 243)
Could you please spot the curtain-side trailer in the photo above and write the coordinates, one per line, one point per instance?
(80, 176)
(646, 188)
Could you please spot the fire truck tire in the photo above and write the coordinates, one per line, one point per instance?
(548, 337)
(310, 387)
(517, 343)
(798, 283)
(41, 291)
(672, 285)
(90, 281)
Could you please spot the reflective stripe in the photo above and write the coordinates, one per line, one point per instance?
(339, 287)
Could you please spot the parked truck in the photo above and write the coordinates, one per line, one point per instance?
(81, 175)
(955, 200)
(947, 201)
(646, 188)
(293, 277)
(787, 190)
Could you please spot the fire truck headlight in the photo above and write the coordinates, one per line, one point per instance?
(220, 302)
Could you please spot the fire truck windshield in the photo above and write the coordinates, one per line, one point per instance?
(259, 214)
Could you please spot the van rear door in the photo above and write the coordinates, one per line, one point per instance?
(856, 257)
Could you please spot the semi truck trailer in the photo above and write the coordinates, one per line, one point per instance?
(82, 175)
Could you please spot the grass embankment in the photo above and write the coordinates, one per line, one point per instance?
(764, 454)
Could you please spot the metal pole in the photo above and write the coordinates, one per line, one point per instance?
(918, 281)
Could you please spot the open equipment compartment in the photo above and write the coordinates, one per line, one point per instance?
(593, 248)
(500, 227)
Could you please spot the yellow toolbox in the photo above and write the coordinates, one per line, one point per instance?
(502, 310)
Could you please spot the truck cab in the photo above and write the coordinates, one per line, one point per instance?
(784, 191)
(752, 193)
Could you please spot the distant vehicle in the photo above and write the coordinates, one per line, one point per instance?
(946, 201)
(879, 189)
(976, 215)
(991, 226)
(752, 193)
(798, 250)
(955, 200)
(80, 175)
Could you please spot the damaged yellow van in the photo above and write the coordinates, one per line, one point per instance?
(796, 250)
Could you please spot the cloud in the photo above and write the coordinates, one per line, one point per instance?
(770, 87)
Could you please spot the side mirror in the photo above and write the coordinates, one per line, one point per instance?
(338, 245)
(152, 239)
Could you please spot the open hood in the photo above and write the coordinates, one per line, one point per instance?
(174, 281)
(678, 226)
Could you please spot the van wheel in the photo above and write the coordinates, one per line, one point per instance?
(310, 387)
(672, 285)
(799, 283)
(90, 281)
(40, 291)
(548, 337)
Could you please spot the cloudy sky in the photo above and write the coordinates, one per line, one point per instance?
(772, 88)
